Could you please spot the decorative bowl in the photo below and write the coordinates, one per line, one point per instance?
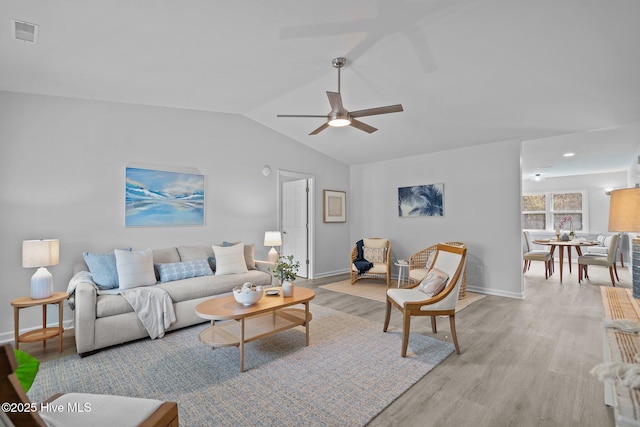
(248, 294)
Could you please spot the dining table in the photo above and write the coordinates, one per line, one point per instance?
(577, 244)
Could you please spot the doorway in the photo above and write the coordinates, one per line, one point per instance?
(295, 218)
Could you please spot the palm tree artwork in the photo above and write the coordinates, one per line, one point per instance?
(421, 200)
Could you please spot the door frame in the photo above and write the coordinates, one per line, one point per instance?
(286, 176)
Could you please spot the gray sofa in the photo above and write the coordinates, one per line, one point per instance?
(103, 320)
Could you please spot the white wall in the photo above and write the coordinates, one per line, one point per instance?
(481, 204)
(62, 172)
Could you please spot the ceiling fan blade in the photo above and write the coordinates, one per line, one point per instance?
(362, 126)
(379, 110)
(320, 129)
(301, 115)
(335, 99)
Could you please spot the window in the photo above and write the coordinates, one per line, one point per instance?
(548, 211)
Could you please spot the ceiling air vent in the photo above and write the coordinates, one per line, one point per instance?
(24, 31)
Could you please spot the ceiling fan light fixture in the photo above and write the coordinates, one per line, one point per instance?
(339, 120)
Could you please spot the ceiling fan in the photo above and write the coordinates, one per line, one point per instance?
(340, 116)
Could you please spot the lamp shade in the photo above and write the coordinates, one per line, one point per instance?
(272, 238)
(624, 210)
(40, 253)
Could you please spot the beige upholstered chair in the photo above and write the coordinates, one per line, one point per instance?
(603, 247)
(104, 409)
(414, 302)
(608, 260)
(379, 254)
(421, 261)
(536, 255)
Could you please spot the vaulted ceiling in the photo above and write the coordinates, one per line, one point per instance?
(467, 72)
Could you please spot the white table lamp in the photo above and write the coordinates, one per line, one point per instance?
(273, 238)
(41, 254)
(624, 215)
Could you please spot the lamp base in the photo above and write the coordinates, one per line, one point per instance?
(273, 255)
(41, 284)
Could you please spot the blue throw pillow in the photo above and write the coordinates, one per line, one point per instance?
(183, 270)
(103, 269)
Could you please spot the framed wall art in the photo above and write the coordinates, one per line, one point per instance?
(159, 198)
(335, 206)
(421, 200)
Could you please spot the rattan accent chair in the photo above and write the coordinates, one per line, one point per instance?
(418, 267)
(608, 260)
(536, 255)
(380, 270)
(104, 409)
(414, 302)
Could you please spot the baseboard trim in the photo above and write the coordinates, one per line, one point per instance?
(495, 292)
(331, 273)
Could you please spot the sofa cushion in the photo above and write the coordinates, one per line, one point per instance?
(248, 254)
(183, 270)
(193, 253)
(186, 289)
(161, 256)
(230, 259)
(103, 269)
(135, 268)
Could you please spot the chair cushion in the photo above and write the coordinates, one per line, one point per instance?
(374, 254)
(537, 256)
(374, 243)
(402, 296)
(418, 274)
(98, 410)
(433, 283)
(378, 268)
(593, 259)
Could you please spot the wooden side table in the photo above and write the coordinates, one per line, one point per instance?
(39, 334)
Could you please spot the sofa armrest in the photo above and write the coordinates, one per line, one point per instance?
(85, 316)
(265, 266)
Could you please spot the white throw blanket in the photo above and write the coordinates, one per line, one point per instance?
(154, 308)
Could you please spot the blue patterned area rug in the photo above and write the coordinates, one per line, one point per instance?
(350, 372)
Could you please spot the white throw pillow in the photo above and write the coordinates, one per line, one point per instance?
(135, 268)
(434, 282)
(230, 259)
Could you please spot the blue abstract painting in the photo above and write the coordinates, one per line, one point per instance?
(159, 198)
(421, 200)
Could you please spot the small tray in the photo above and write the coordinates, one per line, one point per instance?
(272, 293)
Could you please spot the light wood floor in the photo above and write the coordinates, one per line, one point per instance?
(523, 362)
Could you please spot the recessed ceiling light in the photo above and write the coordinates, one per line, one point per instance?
(569, 154)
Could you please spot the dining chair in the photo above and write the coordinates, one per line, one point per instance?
(536, 255)
(603, 247)
(378, 252)
(91, 409)
(449, 261)
(608, 260)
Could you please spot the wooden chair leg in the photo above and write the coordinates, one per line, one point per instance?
(621, 260)
(434, 328)
(579, 273)
(615, 269)
(452, 322)
(524, 267)
(546, 270)
(387, 316)
(406, 325)
(613, 282)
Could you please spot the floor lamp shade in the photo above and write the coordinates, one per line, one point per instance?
(41, 254)
(273, 238)
(624, 215)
